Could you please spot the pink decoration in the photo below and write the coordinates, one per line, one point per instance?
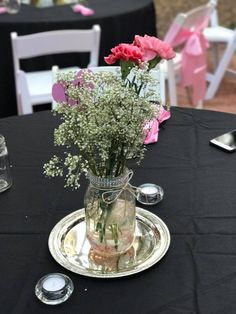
(163, 115)
(58, 93)
(125, 52)
(79, 79)
(3, 10)
(60, 89)
(153, 47)
(194, 65)
(72, 102)
(193, 70)
(152, 135)
(79, 8)
(142, 49)
(153, 126)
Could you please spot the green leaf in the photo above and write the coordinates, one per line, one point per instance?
(126, 67)
(152, 63)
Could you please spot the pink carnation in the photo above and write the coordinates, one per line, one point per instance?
(125, 52)
(153, 47)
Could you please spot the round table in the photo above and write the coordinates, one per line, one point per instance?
(119, 21)
(197, 273)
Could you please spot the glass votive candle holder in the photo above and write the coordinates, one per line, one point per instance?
(54, 288)
(12, 6)
(5, 172)
(149, 194)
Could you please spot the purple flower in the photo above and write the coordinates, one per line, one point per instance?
(60, 89)
(59, 93)
(80, 81)
(72, 102)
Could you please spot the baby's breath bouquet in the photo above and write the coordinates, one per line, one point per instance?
(103, 125)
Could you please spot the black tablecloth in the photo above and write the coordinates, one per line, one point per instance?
(119, 20)
(197, 275)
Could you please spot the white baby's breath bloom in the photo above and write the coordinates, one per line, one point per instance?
(102, 123)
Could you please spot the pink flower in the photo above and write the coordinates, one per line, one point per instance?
(125, 52)
(153, 47)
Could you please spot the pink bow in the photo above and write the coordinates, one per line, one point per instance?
(79, 8)
(193, 69)
(153, 126)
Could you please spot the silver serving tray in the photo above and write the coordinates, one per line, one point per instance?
(70, 248)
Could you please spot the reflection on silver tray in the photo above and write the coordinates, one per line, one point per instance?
(70, 248)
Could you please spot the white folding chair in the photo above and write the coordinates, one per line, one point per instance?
(34, 88)
(156, 73)
(216, 35)
(190, 22)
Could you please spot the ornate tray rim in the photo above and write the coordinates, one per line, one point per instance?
(153, 258)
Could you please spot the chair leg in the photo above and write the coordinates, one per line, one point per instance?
(25, 99)
(55, 70)
(189, 94)
(171, 83)
(19, 105)
(199, 104)
(219, 73)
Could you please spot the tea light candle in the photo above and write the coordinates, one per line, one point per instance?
(150, 194)
(54, 288)
(54, 283)
(149, 190)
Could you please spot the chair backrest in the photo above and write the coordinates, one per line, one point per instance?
(23, 97)
(156, 74)
(50, 43)
(194, 20)
(54, 42)
(187, 25)
(214, 15)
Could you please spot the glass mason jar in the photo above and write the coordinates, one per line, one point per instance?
(110, 214)
(5, 174)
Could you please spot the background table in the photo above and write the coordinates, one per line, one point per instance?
(197, 275)
(119, 20)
